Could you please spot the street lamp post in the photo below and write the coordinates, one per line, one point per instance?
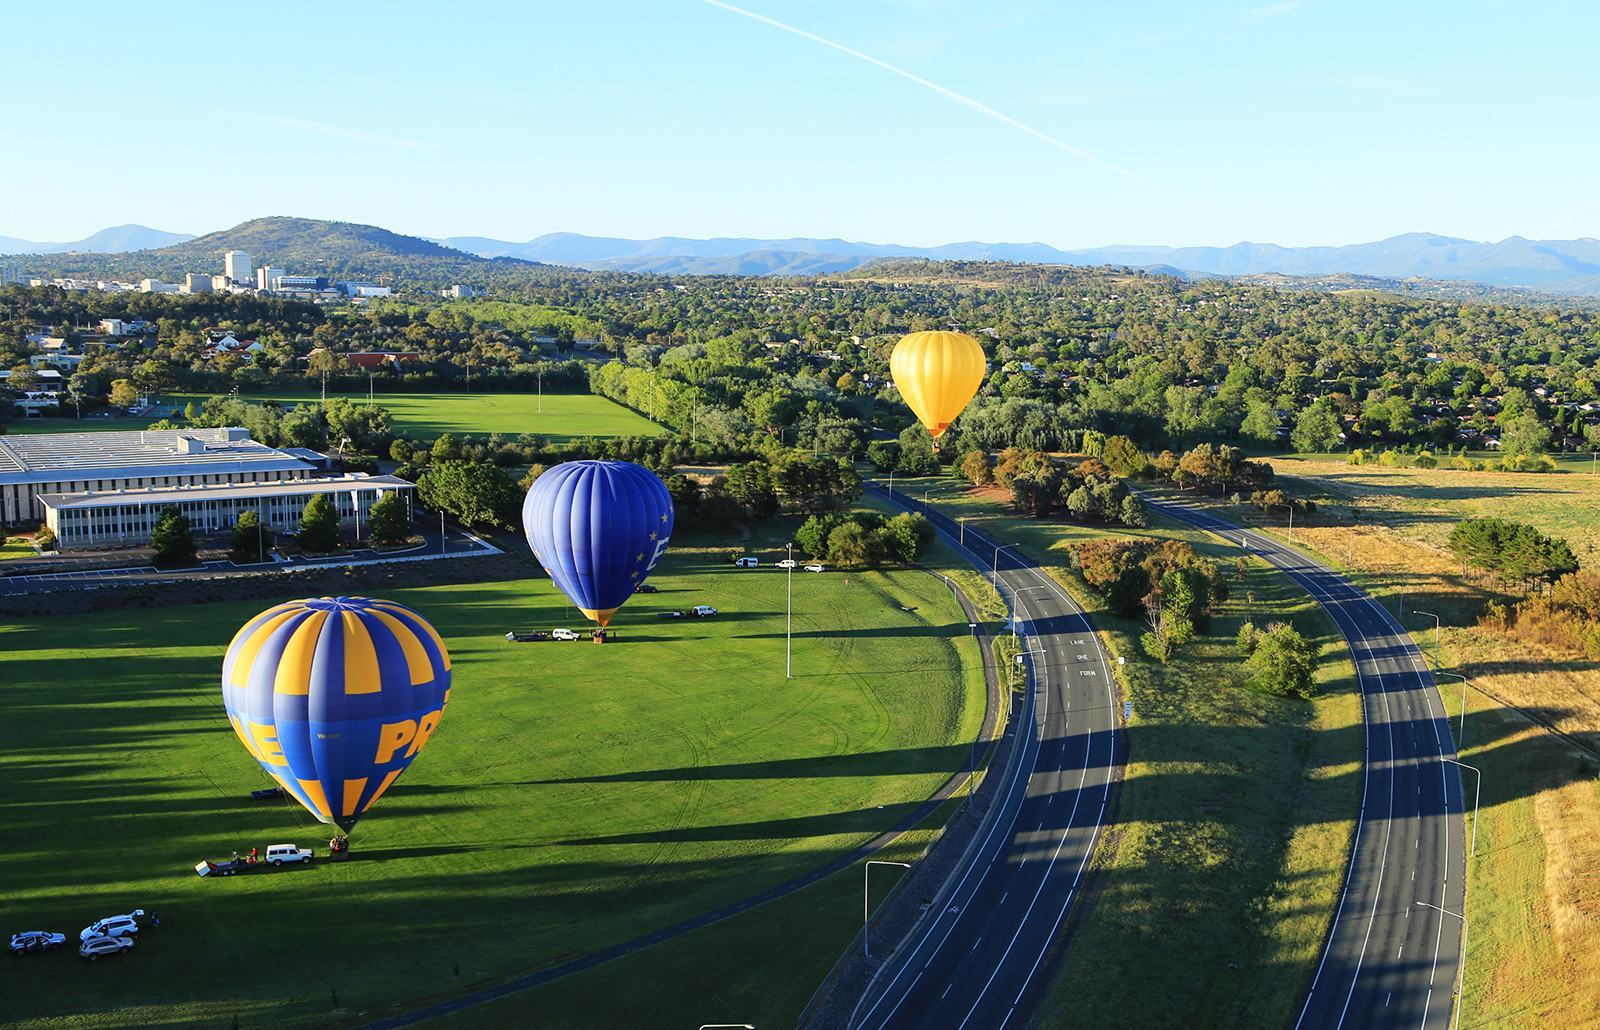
(1461, 730)
(994, 569)
(788, 629)
(1438, 656)
(961, 522)
(1477, 796)
(1461, 990)
(866, 912)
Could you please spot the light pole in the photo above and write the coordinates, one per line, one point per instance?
(788, 629)
(541, 392)
(891, 482)
(441, 532)
(994, 569)
(1461, 731)
(866, 913)
(1461, 990)
(961, 521)
(1438, 656)
(1477, 796)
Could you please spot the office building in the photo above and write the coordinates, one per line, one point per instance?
(236, 266)
(196, 282)
(125, 517)
(70, 463)
(267, 277)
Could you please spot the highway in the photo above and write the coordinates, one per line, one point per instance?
(1390, 960)
(983, 960)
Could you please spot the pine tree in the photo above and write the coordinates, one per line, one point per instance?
(173, 541)
(319, 526)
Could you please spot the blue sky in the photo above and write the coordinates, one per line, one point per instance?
(1072, 123)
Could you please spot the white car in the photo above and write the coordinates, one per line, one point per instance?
(277, 854)
(94, 947)
(704, 611)
(564, 634)
(113, 926)
(788, 563)
(814, 567)
(36, 940)
(747, 562)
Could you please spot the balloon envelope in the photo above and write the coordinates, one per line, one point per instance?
(598, 528)
(334, 696)
(937, 373)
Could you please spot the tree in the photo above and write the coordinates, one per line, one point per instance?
(173, 541)
(1260, 422)
(153, 376)
(685, 493)
(977, 467)
(319, 526)
(884, 454)
(1282, 662)
(388, 521)
(122, 394)
(851, 544)
(23, 378)
(812, 536)
(476, 493)
(1316, 428)
(248, 542)
(750, 485)
(916, 452)
(1523, 436)
(1124, 457)
(1080, 503)
(368, 426)
(906, 536)
(1133, 512)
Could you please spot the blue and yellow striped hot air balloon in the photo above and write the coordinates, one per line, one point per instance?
(335, 696)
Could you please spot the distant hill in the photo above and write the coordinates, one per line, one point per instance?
(119, 239)
(1552, 266)
(305, 246)
(309, 243)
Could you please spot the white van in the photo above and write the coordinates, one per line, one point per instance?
(704, 611)
(747, 562)
(277, 854)
(564, 634)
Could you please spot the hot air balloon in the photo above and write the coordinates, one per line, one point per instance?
(598, 528)
(335, 696)
(937, 373)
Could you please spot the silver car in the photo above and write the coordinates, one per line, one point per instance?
(94, 947)
(36, 940)
(113, 926)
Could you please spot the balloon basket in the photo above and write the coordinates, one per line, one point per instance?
(599, 636)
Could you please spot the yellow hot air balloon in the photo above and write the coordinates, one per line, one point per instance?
(938, 373)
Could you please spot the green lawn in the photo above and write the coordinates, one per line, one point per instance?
(423, 416)
(574, 796)
(14, 548)
(1225, 856)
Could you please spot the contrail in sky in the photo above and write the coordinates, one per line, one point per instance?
(960, 98)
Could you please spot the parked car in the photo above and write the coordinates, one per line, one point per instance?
(36, 940)
(563, 634)
(704, 611)
(266, 793)
(647, 588)
(113, 926)
(788, 563)
(278, 854)
(524, 637)
(747, 562)
(94, 947)
(814, 567)
(675, 613)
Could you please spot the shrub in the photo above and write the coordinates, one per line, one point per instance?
(44, 539)
(389, 523)
(319, 526)
(248, 542)
(1283, 663)
(173, 541)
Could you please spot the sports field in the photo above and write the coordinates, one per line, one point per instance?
(574, 796)
(424, 416)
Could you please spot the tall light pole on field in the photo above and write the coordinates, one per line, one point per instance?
(961, 521)
(1461, 731)
(788, 628)
(866, 911)
(1462, 989)
(541, 392)
(994, 569)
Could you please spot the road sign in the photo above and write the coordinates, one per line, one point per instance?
(1127, 710)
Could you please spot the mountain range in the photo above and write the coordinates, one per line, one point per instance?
(1546, 266)
(1553, 266)
(116, 240)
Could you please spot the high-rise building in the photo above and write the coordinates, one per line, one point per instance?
(267, 277)
(236, 266)
(196, 282)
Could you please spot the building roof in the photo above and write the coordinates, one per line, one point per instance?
(54, 457)
(221, 491)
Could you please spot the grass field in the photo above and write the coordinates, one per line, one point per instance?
(1533, 901)
(424, 416)
(575, 796)
(14, 548)
(1223, 865)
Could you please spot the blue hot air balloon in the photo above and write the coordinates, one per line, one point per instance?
(598, 528)
(335, 696)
